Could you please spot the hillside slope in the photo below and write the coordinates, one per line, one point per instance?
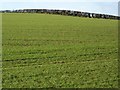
(55, 51)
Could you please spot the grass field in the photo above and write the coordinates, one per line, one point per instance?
(52, 51)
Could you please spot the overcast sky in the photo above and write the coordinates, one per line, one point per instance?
(95, 6)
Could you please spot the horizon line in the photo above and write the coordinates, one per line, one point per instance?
(58, 9)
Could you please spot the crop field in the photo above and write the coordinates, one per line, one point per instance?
(53, 51)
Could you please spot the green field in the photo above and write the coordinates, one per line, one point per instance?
(53, 51)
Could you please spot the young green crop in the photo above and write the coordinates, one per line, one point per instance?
(43, 51)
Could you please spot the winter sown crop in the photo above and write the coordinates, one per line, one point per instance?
(53, 51)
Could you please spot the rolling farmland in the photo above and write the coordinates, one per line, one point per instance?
(53, 51)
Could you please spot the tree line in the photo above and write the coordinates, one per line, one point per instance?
(64, 12)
